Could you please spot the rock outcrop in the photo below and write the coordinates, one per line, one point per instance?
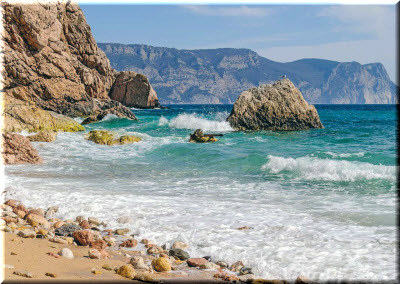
(17, 149)
(51, 59)
(205, 76)
(104, 137)
(280, 106)
(43, 136)
(134, 90)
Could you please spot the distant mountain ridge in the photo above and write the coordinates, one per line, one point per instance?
(219, 75)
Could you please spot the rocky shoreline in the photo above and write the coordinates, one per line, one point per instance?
(102, 252)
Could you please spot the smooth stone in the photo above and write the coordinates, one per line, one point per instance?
(107, 267)
(98, 244)
(126, 271)
(67, 253)
(223, 264)
(196, 262)
(179, 245)
(179, 253)
(209, 265)
(94, 221)
(27, 233)
(121, 231)
(83, 237)
(138, 263)
(155, 250)
(245, 270)
(161, 264)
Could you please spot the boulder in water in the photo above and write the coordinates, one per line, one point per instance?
(279, 106)
(17, 149)
(104, 137)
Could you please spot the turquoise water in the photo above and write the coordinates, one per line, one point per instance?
(321, 202)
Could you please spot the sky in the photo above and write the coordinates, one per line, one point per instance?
(283, 33)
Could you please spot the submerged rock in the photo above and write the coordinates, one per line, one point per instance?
(17, 149)
(134, 90)
(104, 137)
(179, 253)
(43, 136)
(279, 106)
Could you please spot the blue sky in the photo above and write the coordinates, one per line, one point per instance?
(282, 33)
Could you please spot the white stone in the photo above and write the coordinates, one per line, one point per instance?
(67, 253)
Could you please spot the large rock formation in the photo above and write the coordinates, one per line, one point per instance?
(134, 90)
(280, 106)
(51, 58)
(219, 75)
(16, 149)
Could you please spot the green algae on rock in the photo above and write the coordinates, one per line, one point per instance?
(104, 137)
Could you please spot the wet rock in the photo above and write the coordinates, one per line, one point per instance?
(84, 224)
(67, 230)
(223, 264)
(145, 277)
(155, 250)
(131, 243)
(43, 136)
(179, 253)
(79, 219)
(51, 211)
(161, 264)
(236, 266)
(138, 263)
(27, 233)
(245, 270)
(58, 224)
(83, 237)
(277, 107)
(246, 278)
(209, 265)
(67, 253)
(23, 273)
(38, 211)
(107, 267)
(208, 257)
(93, 221)
(98, 244)
(104, 137)
(50, 274)
(36, 220)
(124, 220)
(126, 271)
(196, 262)
(303, 280)
(179, 245)
(17, 149)
(244, 228)
(121, 231)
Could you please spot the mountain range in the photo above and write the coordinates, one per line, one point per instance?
(215, 76)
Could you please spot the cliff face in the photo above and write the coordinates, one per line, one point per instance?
(51, 58)
(220, 75)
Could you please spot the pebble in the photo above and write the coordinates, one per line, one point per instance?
(51, 274)
(131, 243)
(13, 253)
(236, 266)
(126, 271)
(138, 263)
(179, 253)
(179, 245)
(98, 244)
(8, 266)
(83, 237)
(245, 270)
(23, 273)
(124, 220)
(209, 265)
(145, 277)
(121, 231)
(161, 264)
(58, 240)
(223, 264)
(27, 233)
(67, 253)
(196, 262)
(155, 250)
(53, 254)
(58, 224)
(95, 271)
(94, 221)
(107, 267)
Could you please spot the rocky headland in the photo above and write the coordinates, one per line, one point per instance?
(54, 70)
(279, 106)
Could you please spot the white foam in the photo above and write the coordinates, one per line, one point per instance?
(346, 155)
(109, 117)
(312, 168)
(162, 121)
(78, 119)
(193, 121)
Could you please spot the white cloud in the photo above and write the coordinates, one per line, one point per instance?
(231, 11)
(363, 51)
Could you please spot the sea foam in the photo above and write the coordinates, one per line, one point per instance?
(193, 121)
(312, 168)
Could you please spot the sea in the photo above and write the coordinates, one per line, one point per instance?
(319, 203)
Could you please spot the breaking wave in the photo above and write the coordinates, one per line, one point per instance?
(311, 168)
(192, 121)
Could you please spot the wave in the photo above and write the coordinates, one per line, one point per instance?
(311, 168)
(192, 121)
(346, 155)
